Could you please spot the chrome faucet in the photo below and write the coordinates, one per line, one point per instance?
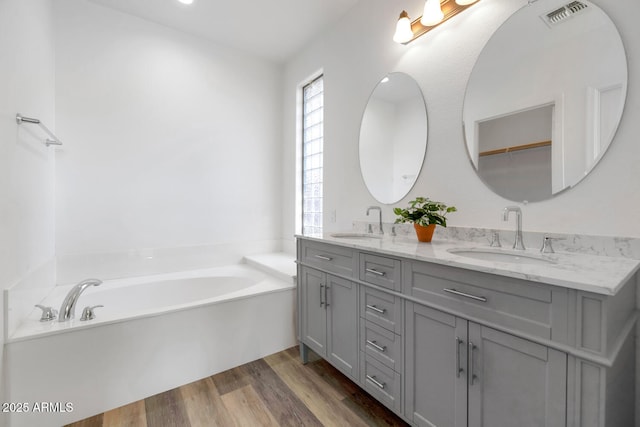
(518, 243)
(67, 309)
(370, 208)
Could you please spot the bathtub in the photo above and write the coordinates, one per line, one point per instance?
(154, 333)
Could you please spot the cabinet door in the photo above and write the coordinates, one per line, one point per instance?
(342, 325)
(514, 382)
(313, 311)
(436, 361)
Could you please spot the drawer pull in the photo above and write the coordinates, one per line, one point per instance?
(376, 382)
(376, 272)
(376, 309)
(376, 346)
(324, 257)
(463, 294)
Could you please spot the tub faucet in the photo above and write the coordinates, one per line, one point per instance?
(67, 309)
(517, 244)
(370, 208)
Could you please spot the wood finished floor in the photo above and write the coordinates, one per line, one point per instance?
(275, 391)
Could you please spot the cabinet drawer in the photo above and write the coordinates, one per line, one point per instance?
(331, 258)
(381, 308)
(516, 304)
(381, 344)
(381, 271)
(380, 381)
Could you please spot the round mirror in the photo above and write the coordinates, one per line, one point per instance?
(545, 98)
(393, 138)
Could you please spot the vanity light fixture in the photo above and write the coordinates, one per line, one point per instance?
(186, 1)
(403, 34)
(435, 13)
(432, 14)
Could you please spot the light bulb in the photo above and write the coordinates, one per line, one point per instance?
(186, 1)
(465, 2)
(432, 13)
(403, 29)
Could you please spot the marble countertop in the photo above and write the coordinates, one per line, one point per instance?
(593, 273)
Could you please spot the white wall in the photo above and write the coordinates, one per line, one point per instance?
(26, 165)
(358, 51)
(171, 141)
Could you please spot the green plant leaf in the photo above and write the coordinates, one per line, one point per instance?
(424, 211)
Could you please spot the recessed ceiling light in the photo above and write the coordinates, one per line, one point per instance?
(186, 1)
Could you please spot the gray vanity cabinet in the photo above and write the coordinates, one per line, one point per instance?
(342, 325)
(436, 366)
(461, 373)
(313, 312)
(514, 382)
(447, 346)
(381, 324)
(329, 318)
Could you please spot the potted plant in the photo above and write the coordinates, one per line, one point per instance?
(424, 214)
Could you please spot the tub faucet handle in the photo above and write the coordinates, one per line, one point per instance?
(48, 313)
(88, 313)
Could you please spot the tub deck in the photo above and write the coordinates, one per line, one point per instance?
(31, 327)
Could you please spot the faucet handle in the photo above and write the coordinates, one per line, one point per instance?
(546, 244)
(88, 314)
(48, 313)
(495, 240)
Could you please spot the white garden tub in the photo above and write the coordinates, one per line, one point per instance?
(154, 333)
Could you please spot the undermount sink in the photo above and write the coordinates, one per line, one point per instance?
(349, 235)
(498, 255)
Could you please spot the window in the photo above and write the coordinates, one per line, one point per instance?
(312, 143)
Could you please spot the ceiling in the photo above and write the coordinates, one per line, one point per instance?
(274, 29)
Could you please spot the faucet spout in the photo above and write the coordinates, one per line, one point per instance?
(370, 208)
(67, 309)
(518, 242)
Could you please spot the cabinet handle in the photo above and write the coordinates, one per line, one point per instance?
(321, 293)
(376, 272)
(324, 257)
(326, 296)
(463, 294)
(375, 381)
(376, 346)
(472, 375)
(374, 308)
(459, 370)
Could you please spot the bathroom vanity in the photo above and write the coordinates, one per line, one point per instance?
(443, 338)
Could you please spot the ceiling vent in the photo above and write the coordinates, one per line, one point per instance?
(562, 14)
